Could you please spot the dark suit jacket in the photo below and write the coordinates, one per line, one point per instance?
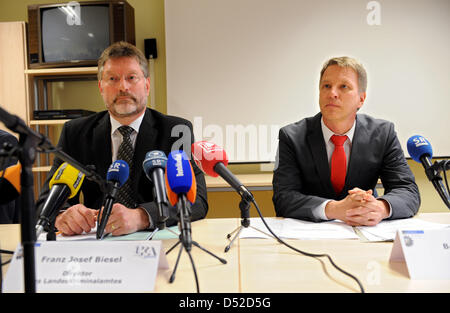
(301, 178)
(9, 212)
(88, 140)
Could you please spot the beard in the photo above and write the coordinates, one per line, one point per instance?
(126, 105)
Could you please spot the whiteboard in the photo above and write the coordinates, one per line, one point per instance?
(242, 69)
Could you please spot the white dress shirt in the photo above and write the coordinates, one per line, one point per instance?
(116, 140)
(319, 211)
(116, 136)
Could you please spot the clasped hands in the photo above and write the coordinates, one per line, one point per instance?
(122, 220)
(358, 208)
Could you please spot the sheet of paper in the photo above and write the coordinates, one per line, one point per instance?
(386, 230)
(168, 233)
(298, 229)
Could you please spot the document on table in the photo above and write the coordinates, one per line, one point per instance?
(139, 235)
(386, 230)
(297, 229)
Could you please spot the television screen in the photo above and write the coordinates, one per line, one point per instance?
(74, 33)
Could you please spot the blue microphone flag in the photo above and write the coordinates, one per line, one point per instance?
(154, 159)
(118, 172)
(179, 172)
(418, 146)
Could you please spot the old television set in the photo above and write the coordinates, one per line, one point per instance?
(76, 33)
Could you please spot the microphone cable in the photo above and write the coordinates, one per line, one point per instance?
(6, 252)
(313, 255)
(2, 264)
(444, 167)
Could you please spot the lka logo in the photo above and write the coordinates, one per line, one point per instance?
(145, 251)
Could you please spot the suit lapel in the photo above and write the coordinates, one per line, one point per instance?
(319, 152)
(145, 142)
(357, 153)
(102, 145)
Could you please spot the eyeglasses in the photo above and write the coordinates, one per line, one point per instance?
(131, 79)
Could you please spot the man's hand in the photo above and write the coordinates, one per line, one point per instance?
(124, 220)
(75, 220)
(359, 208)
(370, 213)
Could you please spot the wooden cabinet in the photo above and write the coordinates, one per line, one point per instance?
(47, 84)
(13, 63)
(23, 90)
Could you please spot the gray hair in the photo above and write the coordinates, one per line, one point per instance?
(122, 49)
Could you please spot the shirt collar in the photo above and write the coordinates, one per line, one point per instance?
(327, 133)
(135, 124)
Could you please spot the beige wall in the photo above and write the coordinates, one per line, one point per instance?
(149, 18)
(431, 202)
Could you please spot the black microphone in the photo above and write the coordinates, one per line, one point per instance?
(154, 166)
(116, 176)
(17, 125)
(64, 185)
(420, 151)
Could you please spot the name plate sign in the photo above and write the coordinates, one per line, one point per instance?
(90, 266)
(425, 252)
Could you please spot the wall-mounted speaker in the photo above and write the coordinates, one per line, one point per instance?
(150, 48)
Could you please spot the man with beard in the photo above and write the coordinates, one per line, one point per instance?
(102, 138)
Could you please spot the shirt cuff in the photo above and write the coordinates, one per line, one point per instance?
(319, 211)
(150, 220)
(390, 207)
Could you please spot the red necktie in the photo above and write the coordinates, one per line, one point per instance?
(338, 163)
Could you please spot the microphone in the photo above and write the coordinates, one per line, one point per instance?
(180, 178)
(181, 187)
(65, 184)
(10, 183)
(116, 176)
(17, 125)
(213, 161)
(154, 167)
(420, 151)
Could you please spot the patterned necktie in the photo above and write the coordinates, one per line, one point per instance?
(338, 163)
(125, 194)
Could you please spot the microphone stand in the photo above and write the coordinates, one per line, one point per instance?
(160, 224)
(244, 206)
(29, 140)
(185, 238)
(163, 209)
(433, 174)
(26, 156)
(439, 166)
(107, 207)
